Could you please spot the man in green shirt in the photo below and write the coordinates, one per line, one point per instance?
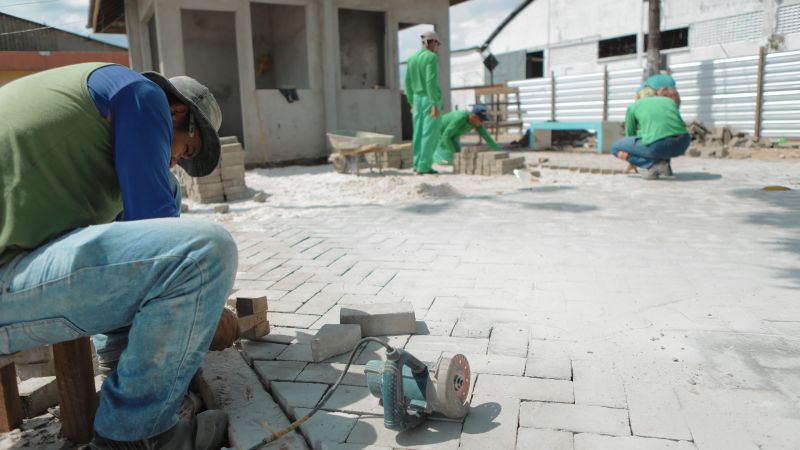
(425, 98)
(655, 133)
(456, 124)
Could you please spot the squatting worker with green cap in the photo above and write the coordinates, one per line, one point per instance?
(90, 242)
(456, 124)
(425, 98)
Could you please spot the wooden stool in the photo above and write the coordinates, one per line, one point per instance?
(76, 392)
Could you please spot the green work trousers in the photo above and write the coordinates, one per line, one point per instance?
(426, 133)
(444, 154)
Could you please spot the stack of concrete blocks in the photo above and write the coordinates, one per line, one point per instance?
(475, 161)
(34, 363)
(398, 156)
(225, 183)
(252, 312)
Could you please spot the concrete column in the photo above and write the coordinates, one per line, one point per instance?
(329, 44)
(135, 43)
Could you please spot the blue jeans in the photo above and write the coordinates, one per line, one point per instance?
(166, 279)
(642, 155)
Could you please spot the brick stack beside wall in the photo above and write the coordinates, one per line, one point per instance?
(224, 184)
(476, 161)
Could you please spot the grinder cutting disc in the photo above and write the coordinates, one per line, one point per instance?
(452, 380)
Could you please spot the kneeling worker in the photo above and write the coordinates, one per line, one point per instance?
(655, 133)
(456, 124)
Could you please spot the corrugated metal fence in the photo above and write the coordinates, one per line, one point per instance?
(715, 92)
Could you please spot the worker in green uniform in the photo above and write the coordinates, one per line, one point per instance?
(456, 124)
(425, 98)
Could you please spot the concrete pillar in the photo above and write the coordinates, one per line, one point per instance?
(329, 44)
(135, 47)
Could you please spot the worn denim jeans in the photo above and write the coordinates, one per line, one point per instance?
(166, 279)
(646, 156)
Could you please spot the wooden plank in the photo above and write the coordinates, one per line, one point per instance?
(76, 394)
(10, 403)
(760, 90)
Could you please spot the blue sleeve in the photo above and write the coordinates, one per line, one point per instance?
(142, 127)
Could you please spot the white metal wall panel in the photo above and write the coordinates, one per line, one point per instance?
(534, 97)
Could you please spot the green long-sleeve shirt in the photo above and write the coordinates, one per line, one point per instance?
(456, 124)
(654, 118)
(422, 77)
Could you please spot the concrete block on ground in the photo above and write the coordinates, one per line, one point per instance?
(38, 394)
(496, 364)
(354, 400)
(226, 382)
(35, 370)
(334, 339)
(542, 139)
(548, 359)
(292, 395)
(262, 350)
(589, 441)
(326, 426)
(491, 423)
(472, 329)
(381, 319)
(296, 352)
(329, 372)
(596, 383)
(524, 388)
(509, 339)
(447, 344)
(535, 439)
(432, 434)
(292, 320)
(246, 306)
(270, 371)
(655, 411)
(576, 418)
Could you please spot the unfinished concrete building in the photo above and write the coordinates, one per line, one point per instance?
(286, 72)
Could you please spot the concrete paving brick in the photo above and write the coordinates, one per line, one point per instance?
(262, 350)
(335, 446)
(283, 306)
(292, 320)
(379, 277)
(472, 329)
(334, 339)
(291, 395)
(432, 434)
(548, 359)
(588, 441)
(320, 303)
(509, 339)
(285, 335)
(37, 394)
(524, 388)
(352, 288)
(535, 439)
(597, 383)
(491, 423)
(354, 400)
(330, 372)
(655, 411)
(270, 371)
(365, 299)
(374, 350)
(496, 364)
(331, 427)
(296, 352)
(577, 418)
(381, 319)
(447, 344)
(292, 281)
(226, 382)
(445, 308)
(435, 328)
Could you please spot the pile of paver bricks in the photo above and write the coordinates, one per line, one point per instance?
(397, 156)
(477, 161)
(224, 184)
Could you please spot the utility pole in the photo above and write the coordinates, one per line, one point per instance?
(654, 39)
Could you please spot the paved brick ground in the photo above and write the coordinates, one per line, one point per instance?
(598, 312)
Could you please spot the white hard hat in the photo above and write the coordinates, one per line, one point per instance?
(430, 36)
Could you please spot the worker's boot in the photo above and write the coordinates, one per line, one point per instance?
(205, 432)
(659, 169)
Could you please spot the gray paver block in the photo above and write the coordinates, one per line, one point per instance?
(510, 339)
(262, 350)
(332, 427)
(296, 352)
(491, 423)
(655, 411)
(38, 394)
(292, 320)
(588, 441)
(270, 371)
(548, 359)
(330, 372)
(535, 439)
(496, 364)
(354, 400)
(447, 344)
(596, 383)
(524, 388)
(334, 339)
(577, 418)
(472, 329)
(435, 327)
(284, 335)
(432, 434)
(381, 319)
(292, 395)
(226, 382)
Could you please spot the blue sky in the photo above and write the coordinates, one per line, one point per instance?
(470, 22)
